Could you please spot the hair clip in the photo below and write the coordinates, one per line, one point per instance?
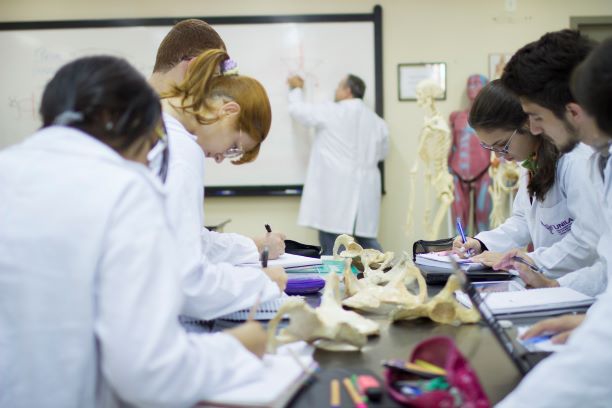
(229, 67)
(67, 117)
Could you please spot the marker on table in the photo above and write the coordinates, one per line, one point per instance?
(268, 228)
(350, 388)
(334, 399)
(531, 266)
(469, 252)
(264, 257)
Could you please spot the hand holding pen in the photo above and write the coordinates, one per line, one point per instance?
(276, 274)
(464, 246)
(275, 241)
(527, 269)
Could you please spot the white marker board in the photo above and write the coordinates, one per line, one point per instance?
(322, 48)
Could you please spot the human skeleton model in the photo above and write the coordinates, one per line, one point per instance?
(505, 176)
(433, 150)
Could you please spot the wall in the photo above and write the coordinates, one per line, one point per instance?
(460, 33)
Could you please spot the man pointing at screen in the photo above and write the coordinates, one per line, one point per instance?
(342, 191)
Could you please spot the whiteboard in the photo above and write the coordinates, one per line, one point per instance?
(323, 49)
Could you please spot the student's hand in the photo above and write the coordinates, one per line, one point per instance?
(252, 336)
(488, 258)
(277, 275)
(562, 326)
(461, 249)
(275, 241)
(534, 279)
(295, 81)
(506, 262)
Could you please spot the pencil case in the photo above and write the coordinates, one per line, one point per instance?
(460, 386)
(304, 285)
(297, 248)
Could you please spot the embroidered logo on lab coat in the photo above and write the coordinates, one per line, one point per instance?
(561, 228)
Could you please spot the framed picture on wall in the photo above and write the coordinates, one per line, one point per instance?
(497, 62)
(409, 75)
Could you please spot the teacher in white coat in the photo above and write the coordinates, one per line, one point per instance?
(342, 191)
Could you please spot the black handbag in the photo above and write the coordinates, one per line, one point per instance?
(297, 248)
(422, 247)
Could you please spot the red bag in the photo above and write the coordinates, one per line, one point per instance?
(465, 390)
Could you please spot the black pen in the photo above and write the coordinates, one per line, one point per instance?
(264, 257)
(524, 262)
(268, 228)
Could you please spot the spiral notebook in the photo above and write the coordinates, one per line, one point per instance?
(265, 311)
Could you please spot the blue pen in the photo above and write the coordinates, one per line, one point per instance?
(462, 233)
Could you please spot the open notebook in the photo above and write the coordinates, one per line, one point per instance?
(290, 261)
(282, 377)
(441, 260)
(265, 311)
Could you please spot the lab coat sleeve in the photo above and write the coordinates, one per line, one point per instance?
(215, 289)
(228, 247)
(578, 376)
(591, 280)
(308, 114)
(146, 356)
(383, 145)
(577, 249)
(514, 232)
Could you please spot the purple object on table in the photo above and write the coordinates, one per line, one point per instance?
(304, 286)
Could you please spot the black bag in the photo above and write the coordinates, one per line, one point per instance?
(422, 247)
(297, 248)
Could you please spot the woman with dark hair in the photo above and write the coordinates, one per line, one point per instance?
(88, 263)
(552, 207)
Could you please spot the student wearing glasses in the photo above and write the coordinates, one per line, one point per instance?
(88, 313)
(554, 208)
(212, 112)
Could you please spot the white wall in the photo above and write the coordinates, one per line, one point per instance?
(460, 33)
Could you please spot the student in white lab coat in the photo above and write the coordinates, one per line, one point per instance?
(552, 208)
(342, 190)
(88, 313)
(579, 375)
(213, 286)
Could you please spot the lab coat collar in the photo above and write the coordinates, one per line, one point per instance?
(68, 140)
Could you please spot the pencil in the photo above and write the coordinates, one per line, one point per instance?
(334, 399)
(254, 308)
(430, 367)
(348, 384)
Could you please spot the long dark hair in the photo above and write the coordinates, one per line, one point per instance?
(496, 108)
(103, 96)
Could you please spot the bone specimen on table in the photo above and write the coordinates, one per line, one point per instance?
(504, 182)
(370, 297)
(328, 326)
(372, 261)
(434, 147)
(442, 308)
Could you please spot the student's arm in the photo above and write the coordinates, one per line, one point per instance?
(578, 376)
(591, 280)
(308, 114)
(577, 249)
(146, 356)
(514, 232)
(228, 247)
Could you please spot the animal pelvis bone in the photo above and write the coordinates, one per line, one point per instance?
(329, 326)
(368, 296)
(442, 308)
(372, 261)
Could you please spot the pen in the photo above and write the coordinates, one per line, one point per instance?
(268, 228)
(264, 257)
(537, 339)
(524, 262)
(462, 233)
(350, 388)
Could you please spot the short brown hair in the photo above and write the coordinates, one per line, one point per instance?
(186, 40)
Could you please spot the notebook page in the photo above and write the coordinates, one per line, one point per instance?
(523, 300)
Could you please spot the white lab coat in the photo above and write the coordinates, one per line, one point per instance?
(578, 376)
(213, 285)
(564, 229)
(342, 191)
(89, 298)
